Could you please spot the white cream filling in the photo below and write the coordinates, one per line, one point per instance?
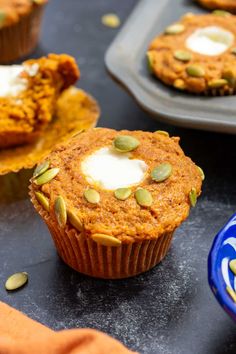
(112, 170)
(11, 82)
(211, 40)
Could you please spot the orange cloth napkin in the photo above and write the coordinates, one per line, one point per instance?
(21, 335)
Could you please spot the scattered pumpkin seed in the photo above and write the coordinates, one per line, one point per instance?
(43, 200)
(232, 293)
(162, 172)
(217, 83)
(221, 13)
(75, 220)
(232, 265)
(60, 211)
(176, 28)
(143, 197)
(16, 281)
(195, 71)
(150, 62)
(162, 132)
(106, 240)
(229, 75)
(122, 193)
(193, 197)
(46, 176)
(233, 50)
(110, 20)
(40, 169)
(125, 143)
(92, 196)
(182, 55)
(201, 173)
(179, 84)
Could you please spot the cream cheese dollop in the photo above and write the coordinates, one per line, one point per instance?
(211, 40)
(111, 170)
(11, 82)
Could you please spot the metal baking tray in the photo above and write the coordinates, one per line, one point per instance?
(126, 62)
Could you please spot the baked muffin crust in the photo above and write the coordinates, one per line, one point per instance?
(228, 5)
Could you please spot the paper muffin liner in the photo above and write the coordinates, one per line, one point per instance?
(88, 257)
(20, 39)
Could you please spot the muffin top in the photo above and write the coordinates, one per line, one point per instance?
(12, 10)
(197, 54)
(130, 185)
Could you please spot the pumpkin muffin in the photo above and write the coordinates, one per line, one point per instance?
(197, 54)
(28, 95)
(20, 22)
(113, 199)
(228, 5)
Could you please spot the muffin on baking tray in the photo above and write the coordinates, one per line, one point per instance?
(228, 5)
(113, 199)
(20, 22)
(28, 95)
(197, 54)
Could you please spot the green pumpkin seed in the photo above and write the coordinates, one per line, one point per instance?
(60, 211)
(143, 197)
(125, 143)
(162, 132)
(75, 220)
(221, 13)
(162, 172)
(201, 173)
(229, 75)
(40, 169)
(16, 281)
(106, 240)
(233, 50)
(149, 62)
(44, 201)
(232, 265)
(92, 196)
(232, 293)
(122, 193)
(182, 55)
(195, 71)
(217, 83)
(2, 18)
(46, 176)
(193, 197)
(176, 28)
(179, 84)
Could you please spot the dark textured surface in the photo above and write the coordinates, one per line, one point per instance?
(169, 310)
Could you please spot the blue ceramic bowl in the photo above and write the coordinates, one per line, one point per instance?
(219, 274)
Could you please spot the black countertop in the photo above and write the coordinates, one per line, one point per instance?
(170, 309)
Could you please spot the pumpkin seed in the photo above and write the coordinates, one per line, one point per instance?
(110, 20)
(75, 220)
(143, 197)
(122, 193)
(221, 13)
(40, 169)
(193, 197)
(44, 201)
(60, 211)
(92, 196)
(195, 71)
(201, 173)
(182, 55)
(232, 293)
(46, 176)
(2, 18)
(229, 75)
(150, 62)
(232, 265)
(106, 240)
(125, 143)
(179, 84)
(162, 132)
(176, 28)
(16, 281)
(217, 83)
(162, 172)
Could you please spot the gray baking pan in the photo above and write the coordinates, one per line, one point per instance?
(126, 62)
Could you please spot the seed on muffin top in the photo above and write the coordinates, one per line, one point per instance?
(130, 185)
